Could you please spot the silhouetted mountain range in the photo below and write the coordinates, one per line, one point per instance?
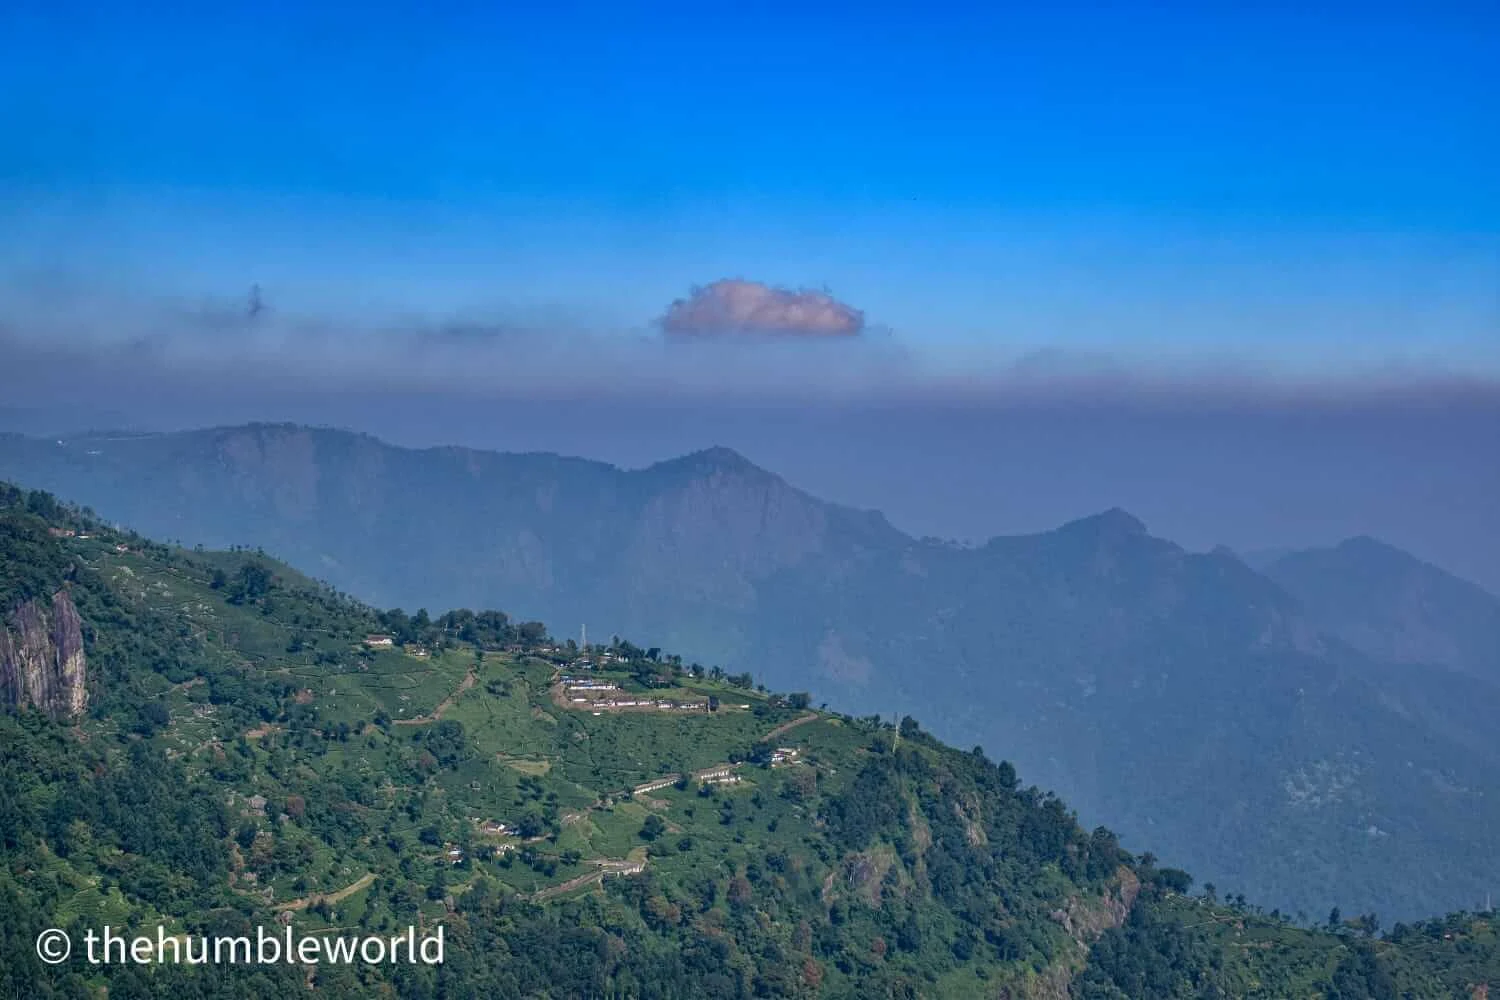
(1320, 731)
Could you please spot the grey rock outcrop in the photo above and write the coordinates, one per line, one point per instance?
(42, 662)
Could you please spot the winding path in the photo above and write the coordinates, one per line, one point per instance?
(470, 679)
(337, 896)
(788, 726)
(606, 868)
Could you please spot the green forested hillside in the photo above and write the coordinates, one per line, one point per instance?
(253, 751)
(1320, 738)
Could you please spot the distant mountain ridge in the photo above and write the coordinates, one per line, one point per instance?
(1395, 607)
(1255, 726)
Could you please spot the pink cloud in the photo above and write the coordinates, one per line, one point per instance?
(733, 306)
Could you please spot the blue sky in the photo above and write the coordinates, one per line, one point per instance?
(1311, 187)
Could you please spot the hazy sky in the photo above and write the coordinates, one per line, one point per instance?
(1234, 267)
(1310, 188)
(1251, 464)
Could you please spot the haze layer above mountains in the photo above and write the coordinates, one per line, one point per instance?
(1316, 732)
(1207, 452)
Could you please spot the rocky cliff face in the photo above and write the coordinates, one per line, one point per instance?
(41, 658)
